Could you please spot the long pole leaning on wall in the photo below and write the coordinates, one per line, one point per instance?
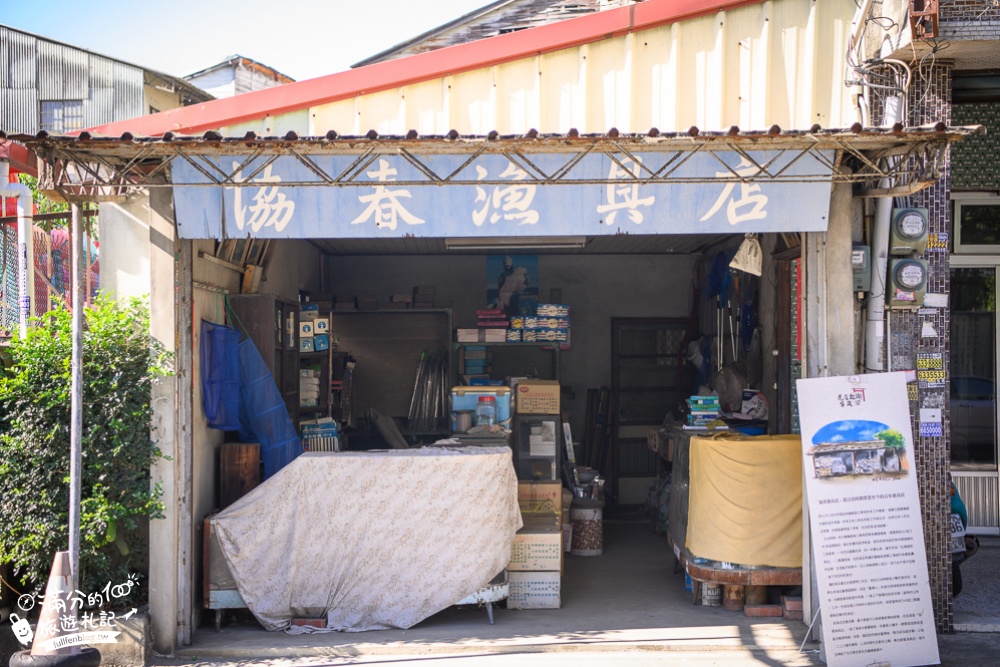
(76, 391)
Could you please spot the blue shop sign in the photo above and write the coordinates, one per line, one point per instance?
(493, 195)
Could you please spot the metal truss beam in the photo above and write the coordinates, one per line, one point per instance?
(101, 170)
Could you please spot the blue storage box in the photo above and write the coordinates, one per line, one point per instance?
(321, 342)
(466, 398)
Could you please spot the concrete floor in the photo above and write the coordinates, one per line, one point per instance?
(627, 600)
(628, 597)
(977, 609)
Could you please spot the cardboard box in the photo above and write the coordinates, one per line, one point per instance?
(540, 497)
(321, 325)
(540, 520)
(537, 397)
(306, 344)
(306, 328)
(534, 590)
(537, 549)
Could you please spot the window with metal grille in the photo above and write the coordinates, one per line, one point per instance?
(62, 116)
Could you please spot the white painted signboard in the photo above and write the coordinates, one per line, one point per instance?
(865, 521)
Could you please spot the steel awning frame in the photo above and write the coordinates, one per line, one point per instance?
(87, 168)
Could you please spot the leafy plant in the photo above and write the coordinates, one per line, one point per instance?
(120, 363)
(892, 438)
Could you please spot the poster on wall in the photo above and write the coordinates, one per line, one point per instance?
(512, 283)
(865, 521)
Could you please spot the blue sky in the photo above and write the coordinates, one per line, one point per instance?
(301, 38)
(850, 430)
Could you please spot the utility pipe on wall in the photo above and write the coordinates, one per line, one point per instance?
(875, 307)
(25, 241)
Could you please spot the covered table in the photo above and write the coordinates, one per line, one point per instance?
(736, 508)
(371, 540)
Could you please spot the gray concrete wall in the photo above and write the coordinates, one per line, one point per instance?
(596, 287)
(295, 265)
(137, 258)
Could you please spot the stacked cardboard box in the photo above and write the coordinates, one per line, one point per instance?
(477, 360)
(492, 318)
(704, 410)
(537, 397)
(480, 335)
(549, 324)
(535, 569)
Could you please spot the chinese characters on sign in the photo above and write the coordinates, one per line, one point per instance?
(512, 202)
(624, 197)
(384, 207)
(852, 398)
(530, 194)
(270, 207)
(865, 521)
(750, 203)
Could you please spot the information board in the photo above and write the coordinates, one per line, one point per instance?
(865, 521)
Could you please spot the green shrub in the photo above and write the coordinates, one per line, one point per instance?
(120, 362)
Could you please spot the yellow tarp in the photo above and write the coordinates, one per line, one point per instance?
(745, 500)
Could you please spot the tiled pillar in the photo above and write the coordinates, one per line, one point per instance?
(926, 331)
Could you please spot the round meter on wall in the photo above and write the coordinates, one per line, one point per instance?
(907, 282)
(908, 233)
(910, 276)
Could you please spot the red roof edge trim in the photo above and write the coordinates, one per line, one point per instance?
(21, 158)
(420, 67)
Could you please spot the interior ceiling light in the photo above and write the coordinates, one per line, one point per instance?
(516, 243)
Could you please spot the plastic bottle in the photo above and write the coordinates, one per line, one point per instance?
(486, 411)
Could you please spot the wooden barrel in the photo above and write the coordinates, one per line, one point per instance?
(733, 597)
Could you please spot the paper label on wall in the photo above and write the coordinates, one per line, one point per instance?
(930, 370)
(927, 330)
(931, 430)
(937, 242)
(865, 521)
(932, 300)
(930, 415)
(930, 361)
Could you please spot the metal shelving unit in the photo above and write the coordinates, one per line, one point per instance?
(545, 345)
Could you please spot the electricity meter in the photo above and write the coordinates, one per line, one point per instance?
(907, 282)
(861, 266)
(908, 231)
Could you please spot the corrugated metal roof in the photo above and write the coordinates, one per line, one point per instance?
(491, 20)
(524, 44)
(25, 38)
